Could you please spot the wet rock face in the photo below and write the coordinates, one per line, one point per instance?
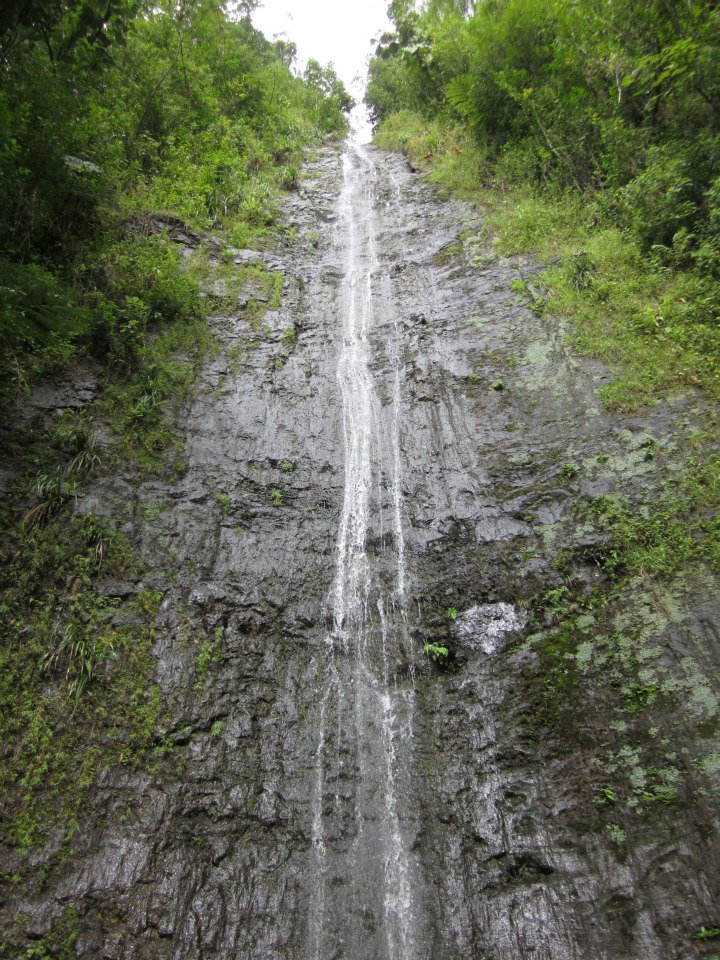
(280, 789)
(488, 627)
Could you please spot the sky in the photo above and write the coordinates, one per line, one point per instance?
(331, 31)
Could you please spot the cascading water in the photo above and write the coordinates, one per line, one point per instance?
(366, 889)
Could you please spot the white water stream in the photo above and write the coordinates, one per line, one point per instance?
(364, 892)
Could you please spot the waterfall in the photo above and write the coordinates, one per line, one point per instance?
(365, 885)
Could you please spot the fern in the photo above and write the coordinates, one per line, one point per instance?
(459, 94)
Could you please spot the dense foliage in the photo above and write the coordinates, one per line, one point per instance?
(619, 96)
(110, 111)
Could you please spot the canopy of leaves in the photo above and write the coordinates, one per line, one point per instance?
(111, 110)
(620, 98)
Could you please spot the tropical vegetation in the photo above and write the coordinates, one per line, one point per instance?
(114, 112)
(590, 130)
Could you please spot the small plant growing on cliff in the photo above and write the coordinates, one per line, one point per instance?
(210, 652)
(148, 601)
(530, 295)
(498, 386)
(289, 334)
(452, 613)
(638, 696)
(82, 656)
(53, 490)
(569, 471)
(436, 652)
(606, 798)
(207, 655)
(554, 599)
(707, 933)
(276, 497)
(616, 834)
(580, 270)
(287, 466)
(223, 501)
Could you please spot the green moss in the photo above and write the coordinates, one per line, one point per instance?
(226, 282)
(139, 408)
(59, 943)
(679, 527)
(74, 680)
(448, 253)
(552, 688)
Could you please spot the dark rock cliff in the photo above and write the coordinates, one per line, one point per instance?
(552, 786)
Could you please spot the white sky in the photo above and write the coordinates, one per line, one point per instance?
(331, 31)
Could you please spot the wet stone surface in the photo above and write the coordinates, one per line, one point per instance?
(477, 408)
